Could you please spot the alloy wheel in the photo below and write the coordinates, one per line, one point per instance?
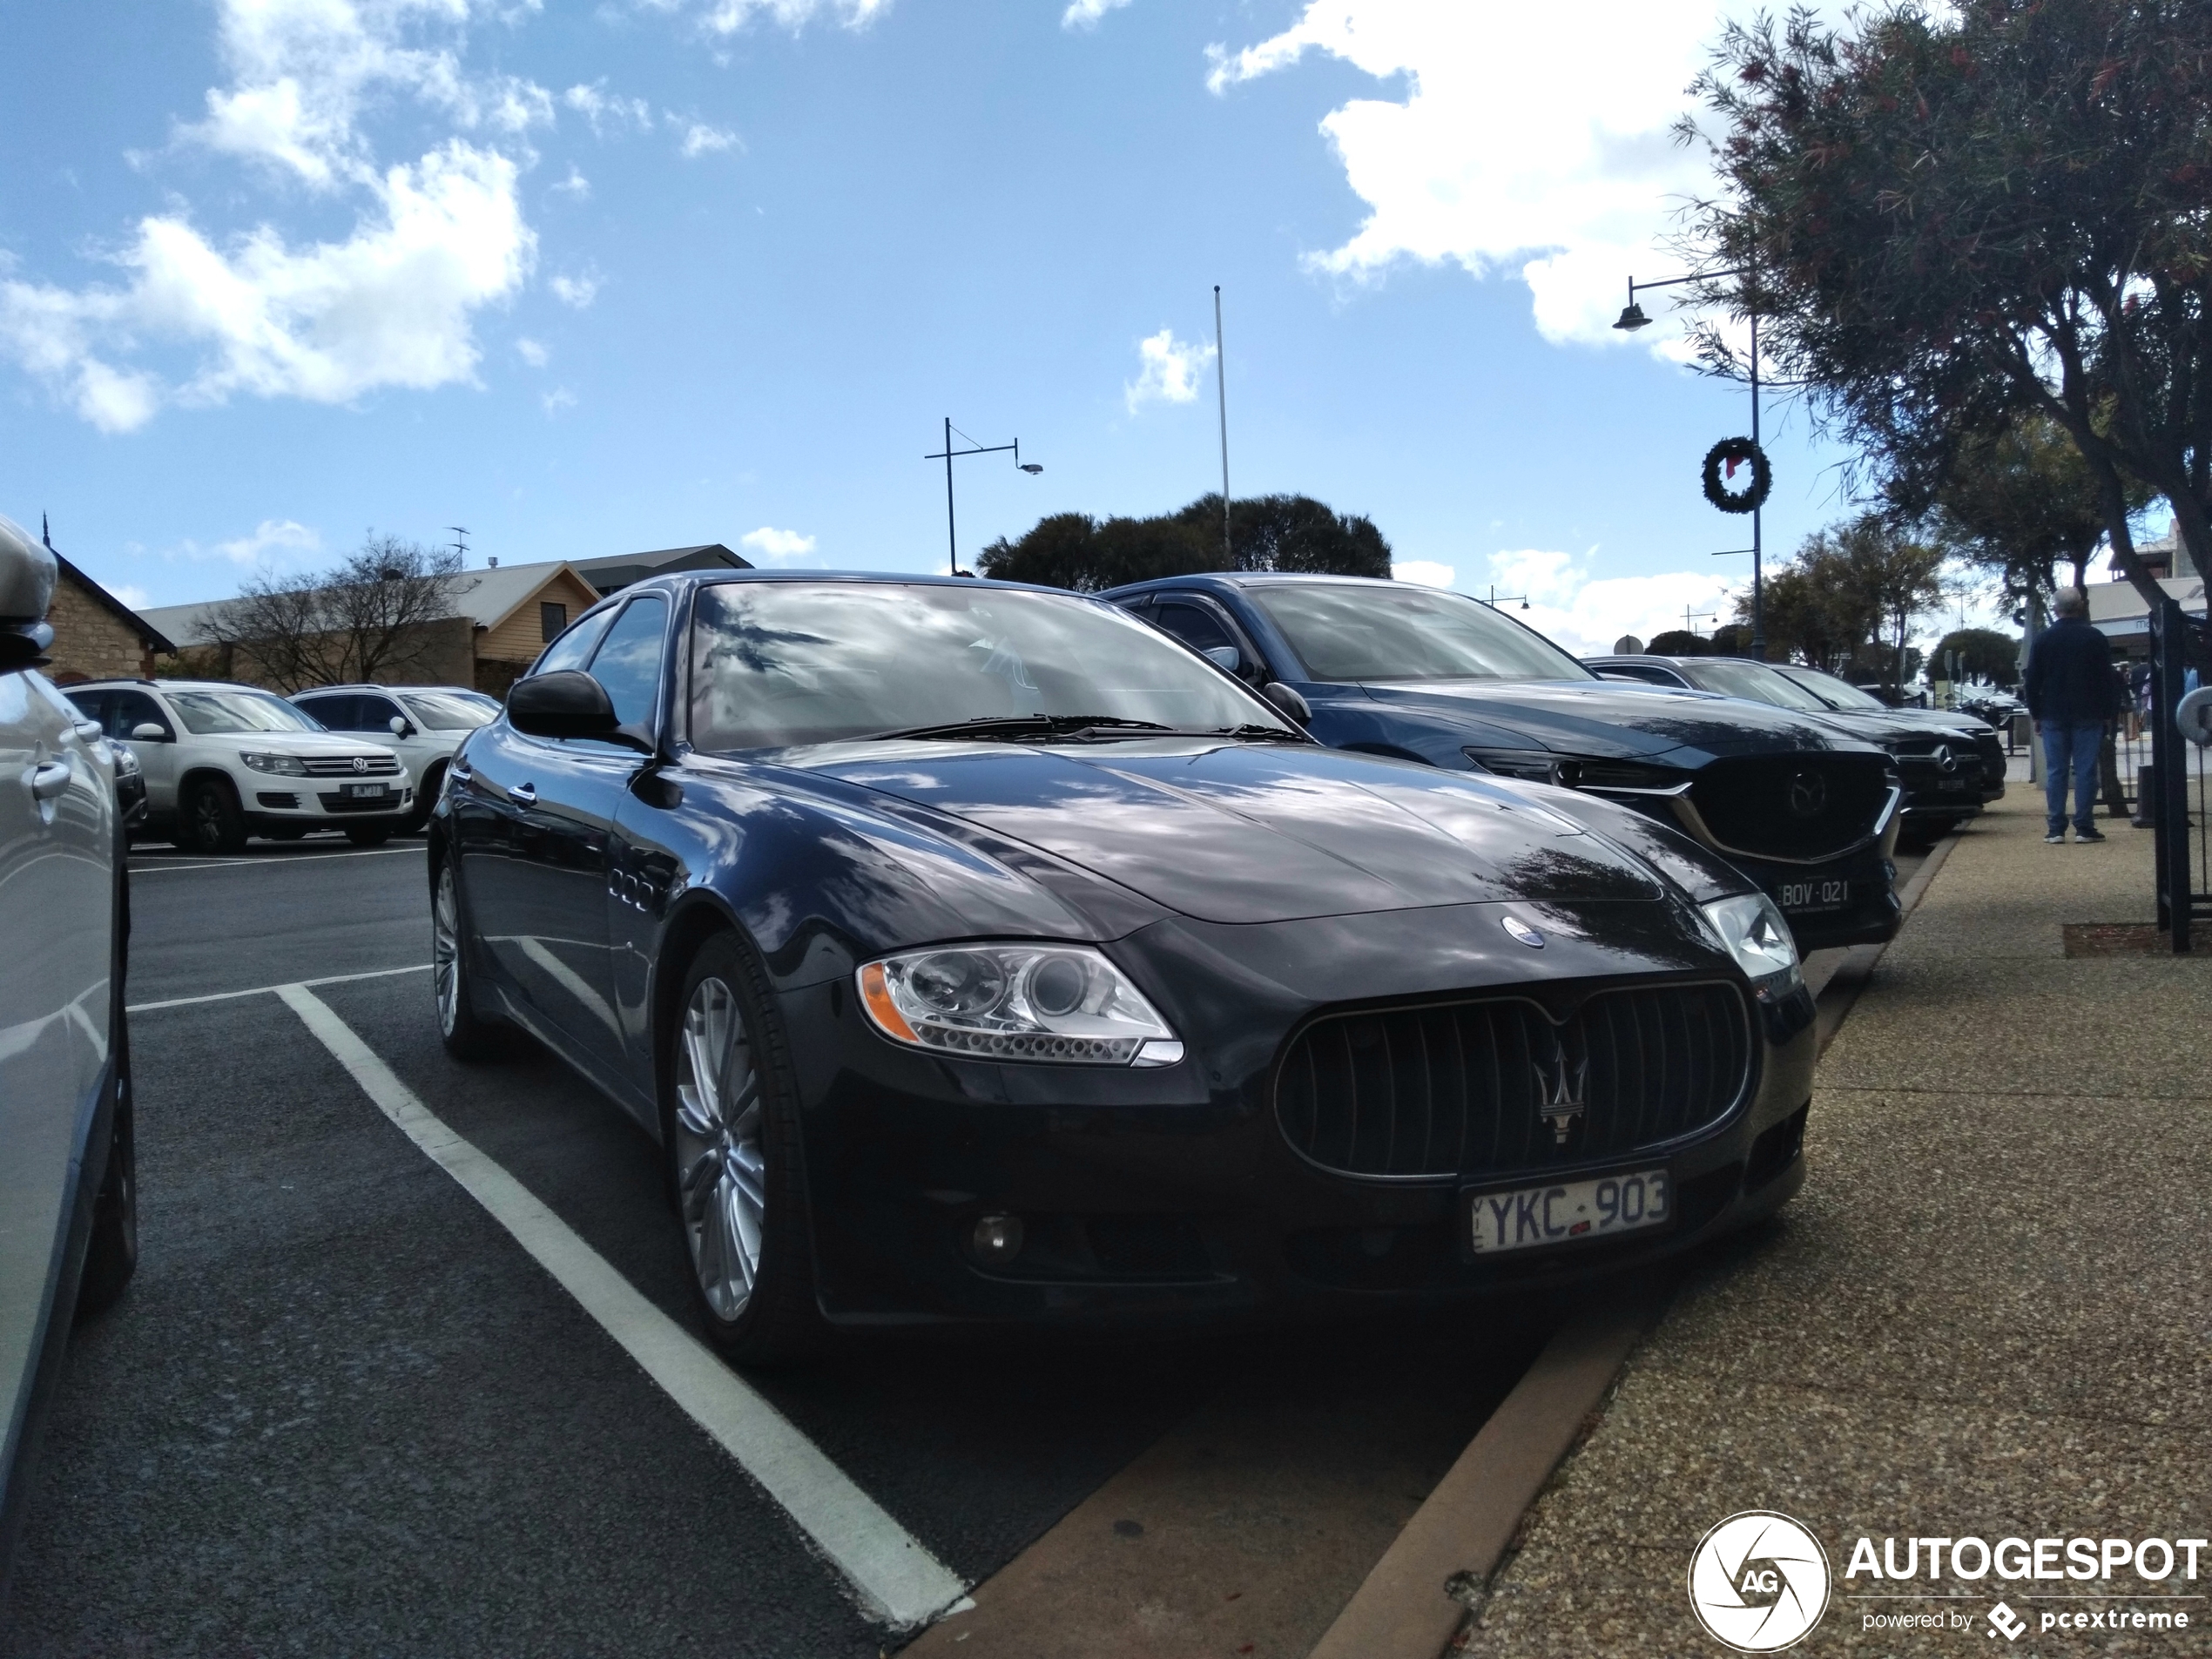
(721, 1172)
(445, 950)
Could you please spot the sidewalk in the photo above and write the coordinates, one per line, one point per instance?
(1985, 1317)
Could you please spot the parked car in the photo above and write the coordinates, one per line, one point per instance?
(223, 762)
(1940, 758)
(977, 953)
(422, 724)
(1806, 810)
(68, 1183)
(1985, 730)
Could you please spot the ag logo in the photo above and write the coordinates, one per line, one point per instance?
(1758, 1581)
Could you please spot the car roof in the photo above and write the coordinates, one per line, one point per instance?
(1267, 579)
(1611, 658)
(171, 685)
(370, 685)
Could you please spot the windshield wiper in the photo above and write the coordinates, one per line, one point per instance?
(1019, 725)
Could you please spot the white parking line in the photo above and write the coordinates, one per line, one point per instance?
(271, 990)
(270, 860)
(898, 1581)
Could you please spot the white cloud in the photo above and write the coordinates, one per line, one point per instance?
(434, 240)
(1170, 371)
(1527, 139)
(531, 352)
(774, 546)
(575, 186)
(555, 400)
(1427, 573)
(577, 291)
(1085, 14)
(1586, 614)
(604, 110)
(701, 139)
(272, 535)
(131, 593)
(727, 17)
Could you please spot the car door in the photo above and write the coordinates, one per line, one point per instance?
(1204, 626)
(547, 922)
(126, 713)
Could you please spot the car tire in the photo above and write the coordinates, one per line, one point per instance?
(426, 799)
(468, 1035)
(730, 1123)
(111, 1253)
(211, 823)
(363, 835)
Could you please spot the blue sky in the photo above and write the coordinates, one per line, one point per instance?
(593, 278)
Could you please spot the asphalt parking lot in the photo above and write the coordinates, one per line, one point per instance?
(343, 1410)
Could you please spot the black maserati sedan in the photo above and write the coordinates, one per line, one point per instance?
(1806, 810)
(978, 953)
(1951, 765)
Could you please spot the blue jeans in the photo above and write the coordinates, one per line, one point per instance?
(2070, 750)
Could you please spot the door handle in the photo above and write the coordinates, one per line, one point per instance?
(522, 794)
(48, 778)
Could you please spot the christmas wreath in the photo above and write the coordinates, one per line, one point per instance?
(1721, 462)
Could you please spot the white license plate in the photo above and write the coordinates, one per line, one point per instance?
(1570, 1212)
(1815, 895)
(364, 792)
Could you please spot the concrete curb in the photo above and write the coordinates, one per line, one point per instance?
(1404, 1610)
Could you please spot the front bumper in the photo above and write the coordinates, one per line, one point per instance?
(1171, 1193)
(322, 803)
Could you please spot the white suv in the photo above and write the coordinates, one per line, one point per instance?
(423, 724)
(223, 762)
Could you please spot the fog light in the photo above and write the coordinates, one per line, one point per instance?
(997, 1238)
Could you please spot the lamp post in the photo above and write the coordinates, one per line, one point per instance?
(1509, 597)
(949, 455)
(1633, 318)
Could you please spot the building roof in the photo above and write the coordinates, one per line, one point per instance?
(2118, 610)
(620, 570)
(138, 622)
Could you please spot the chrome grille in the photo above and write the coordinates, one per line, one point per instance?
(1480, 1087)
(343, 767)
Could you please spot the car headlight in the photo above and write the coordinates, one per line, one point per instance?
(1577, 772)
(289, 766)
(1751, 926)
(1064, 1004)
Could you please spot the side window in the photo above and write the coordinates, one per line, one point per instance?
(376, 714)
(573, 649)
(629, 663)
(128, 710)
(1194, 625)
(92, 705)
(1636, 670)
(335, 712)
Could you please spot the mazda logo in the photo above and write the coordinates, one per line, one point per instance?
(360, 763)
(1808, 794)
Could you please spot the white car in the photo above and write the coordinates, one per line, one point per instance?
(423, 724)
(223, 762)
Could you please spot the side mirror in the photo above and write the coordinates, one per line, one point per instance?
(401, 727)
(147, 732)
(1289, 701)
(27, 573)
(1225, 656)
(566, 704)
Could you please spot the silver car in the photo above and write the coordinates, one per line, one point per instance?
(69, 1236)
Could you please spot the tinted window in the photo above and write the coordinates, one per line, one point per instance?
(1194, 625)
(92, 704)
(448, 711)
(376, 714)
(1654, 674)
(214, 713)
(1736, 676)
(1380, 631)
(335, 711)
(128, 710)
(780, 662)
(573, 649)
(1838, 694)
(629, 663)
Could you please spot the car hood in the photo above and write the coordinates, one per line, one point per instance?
(1252, 833)
(305, 744)
(1616, 721)
(1900, 725)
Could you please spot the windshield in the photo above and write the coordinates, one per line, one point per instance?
(1736, 677)
(209, 713)
(444, 711)
(1384, 632)
(782, 663)
(1838, 694)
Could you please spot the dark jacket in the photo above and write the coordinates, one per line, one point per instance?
(2069, 679)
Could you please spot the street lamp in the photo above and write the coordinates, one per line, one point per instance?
(949, 455)
(1509, 597)
(1632, 317)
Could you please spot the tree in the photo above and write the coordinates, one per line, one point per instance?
(364, 617)
(1944, 220)
(1680, 642)
(2020, 499)
(1983, 653)
(1270, 533)
(1849, 586)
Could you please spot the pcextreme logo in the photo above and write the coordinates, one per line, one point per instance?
(1758, 1581)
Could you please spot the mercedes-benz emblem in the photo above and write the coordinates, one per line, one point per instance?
(1946, 757)
(1808, 794)
(1524, 933)
(360, 763)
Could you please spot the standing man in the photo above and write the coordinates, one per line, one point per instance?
(2071, 693)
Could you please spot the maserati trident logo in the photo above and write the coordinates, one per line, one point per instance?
(1562, 1092)
(360, 763)
(1808, 794)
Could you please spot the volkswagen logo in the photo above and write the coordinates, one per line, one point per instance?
(1808, 795)
(360, 763)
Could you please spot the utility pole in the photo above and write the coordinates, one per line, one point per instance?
(1221, 387)
(461, 541)
(949, 455)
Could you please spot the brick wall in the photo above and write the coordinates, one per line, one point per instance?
(90, 642)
